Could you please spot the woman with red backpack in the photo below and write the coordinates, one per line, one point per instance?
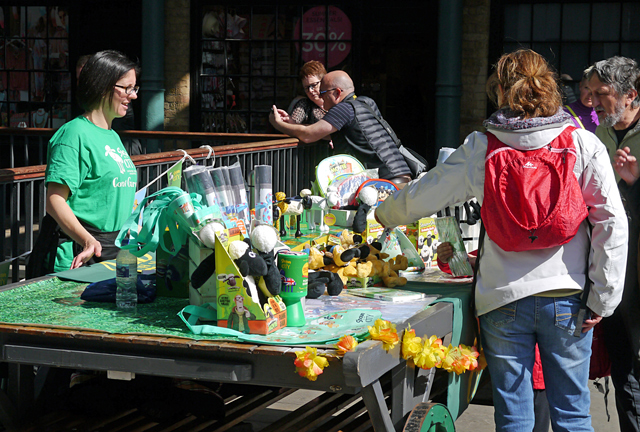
(444, 253)
(554, 220)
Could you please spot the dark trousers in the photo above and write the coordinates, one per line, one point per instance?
(625, 372)
(541, 411)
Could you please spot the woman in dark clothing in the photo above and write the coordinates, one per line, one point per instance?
(308, 110)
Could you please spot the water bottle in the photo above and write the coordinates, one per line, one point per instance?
(126, 281)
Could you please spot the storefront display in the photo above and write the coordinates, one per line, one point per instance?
(35, 43)
(250, 57)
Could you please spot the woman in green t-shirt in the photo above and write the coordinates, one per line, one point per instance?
(91, 181)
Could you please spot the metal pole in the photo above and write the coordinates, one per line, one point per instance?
(449, 81)
(152, 80)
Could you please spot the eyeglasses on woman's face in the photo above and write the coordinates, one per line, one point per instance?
(311, 87)
(129, 90)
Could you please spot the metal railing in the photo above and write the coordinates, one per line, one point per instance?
(22, 190)
(23, 147)
(28, 147)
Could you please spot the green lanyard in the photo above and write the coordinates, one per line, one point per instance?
(157, 218)
(575, 116)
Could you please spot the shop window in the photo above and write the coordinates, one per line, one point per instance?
(576, 22)
(630, 24)
(573, 54)
(572, 36)
(518, 27)
(249, 58)
(35, 82)
(606, 26)
(546, 22)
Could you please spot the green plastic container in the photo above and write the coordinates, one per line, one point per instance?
(182, 210)
(294, 268)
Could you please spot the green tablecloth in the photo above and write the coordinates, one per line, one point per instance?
(56, 302)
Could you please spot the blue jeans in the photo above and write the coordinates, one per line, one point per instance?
(509, 335)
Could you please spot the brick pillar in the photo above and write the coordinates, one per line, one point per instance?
(475, 53)
(177, 77)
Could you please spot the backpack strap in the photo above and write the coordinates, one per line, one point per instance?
(566, 133)
(476, 269)
(492, 143)
(585, 294)
(575, 116)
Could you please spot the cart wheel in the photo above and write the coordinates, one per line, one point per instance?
(428, 417)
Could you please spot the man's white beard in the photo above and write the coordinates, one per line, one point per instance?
(610, 120)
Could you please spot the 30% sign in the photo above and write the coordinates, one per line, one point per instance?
(314, 30)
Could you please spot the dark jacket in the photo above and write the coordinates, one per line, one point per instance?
(367, 139)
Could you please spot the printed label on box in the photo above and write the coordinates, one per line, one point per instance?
(236, 307)
(424, 235)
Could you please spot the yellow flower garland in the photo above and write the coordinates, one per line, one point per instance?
(425, 355)
(384, 331)
(309, 364)
(346, 343)
(411, 344)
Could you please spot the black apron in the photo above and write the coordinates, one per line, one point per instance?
(42, 259)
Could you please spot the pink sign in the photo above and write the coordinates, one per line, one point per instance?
(314, 30)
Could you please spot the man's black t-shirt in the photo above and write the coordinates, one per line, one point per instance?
(620, 134)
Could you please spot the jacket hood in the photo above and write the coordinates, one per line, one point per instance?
(526, 134)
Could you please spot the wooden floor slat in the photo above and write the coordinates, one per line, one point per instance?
(323, 413)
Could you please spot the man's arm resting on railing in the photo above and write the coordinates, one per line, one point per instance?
(305, 133)
(58, 208)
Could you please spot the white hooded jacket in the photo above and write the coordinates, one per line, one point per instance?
(505, 277)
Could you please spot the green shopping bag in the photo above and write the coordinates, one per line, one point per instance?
(159, 214)
(326, 329)
(395, 242)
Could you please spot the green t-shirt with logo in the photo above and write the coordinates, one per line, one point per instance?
(100, 175)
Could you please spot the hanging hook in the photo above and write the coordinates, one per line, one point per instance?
(187, 156)
(212, 153)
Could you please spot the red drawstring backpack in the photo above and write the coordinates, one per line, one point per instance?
(532, 199)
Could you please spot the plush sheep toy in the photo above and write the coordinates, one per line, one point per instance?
(264, 239)
(321, 281)
(207, 233)
(250, 265)
(207, 267)
(368, 197)
(313, 202)
(289, 207)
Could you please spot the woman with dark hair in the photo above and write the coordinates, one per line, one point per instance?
(532, 294)
(90, 179)
(308, 110)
